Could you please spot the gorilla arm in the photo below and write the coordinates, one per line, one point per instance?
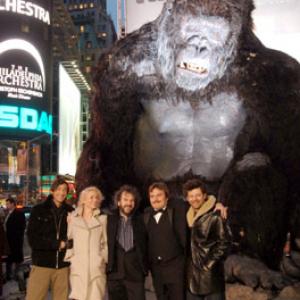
(261, 186)
(107, 157)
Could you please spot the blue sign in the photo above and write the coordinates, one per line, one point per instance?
(25, 70)
(25, 118)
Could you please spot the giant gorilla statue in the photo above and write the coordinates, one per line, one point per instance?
(195, 93)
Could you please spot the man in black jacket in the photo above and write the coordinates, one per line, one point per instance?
(210, 240)
(1, 253)
(47, 236)
(14, 225)
(127, 258)
(166, 231)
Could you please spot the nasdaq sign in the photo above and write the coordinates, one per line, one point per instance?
(25, 69)
(25, 118)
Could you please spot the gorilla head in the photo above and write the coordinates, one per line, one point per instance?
(206, 43)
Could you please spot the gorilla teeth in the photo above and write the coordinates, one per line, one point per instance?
(192, 67)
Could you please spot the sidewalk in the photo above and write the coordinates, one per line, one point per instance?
(11, 292)
(11, 289)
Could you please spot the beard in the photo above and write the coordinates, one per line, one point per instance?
(126, 210)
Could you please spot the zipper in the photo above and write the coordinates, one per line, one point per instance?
(57, 226)
(89, 261)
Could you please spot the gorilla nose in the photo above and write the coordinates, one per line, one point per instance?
(203, 49)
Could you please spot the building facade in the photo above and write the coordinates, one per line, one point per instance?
(95, 28)
(25, 95)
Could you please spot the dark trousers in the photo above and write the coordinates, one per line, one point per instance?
(169, 279)
(125, 290)
(1, 278)
(16, 272)
(214, 296)
(169, 291)
(11, 269)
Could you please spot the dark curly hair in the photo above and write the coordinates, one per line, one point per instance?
(193, 184)
(59, 180)
(128, 189)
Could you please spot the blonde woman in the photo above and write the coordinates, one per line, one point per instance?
(88, 256)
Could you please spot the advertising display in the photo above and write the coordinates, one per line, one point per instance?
(277, 25)
(139, 12)
(69, 123)
(276, 21)
(25, 69)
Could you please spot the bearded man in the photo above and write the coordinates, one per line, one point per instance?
(127, 260)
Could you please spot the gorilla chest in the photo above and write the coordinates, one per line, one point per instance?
(173, 139)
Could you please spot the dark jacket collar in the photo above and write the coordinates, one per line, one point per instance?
(49, 204)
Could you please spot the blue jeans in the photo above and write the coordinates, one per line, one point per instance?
(214, 296)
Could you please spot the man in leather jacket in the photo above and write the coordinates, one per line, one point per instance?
(47, 236)
(210, 241)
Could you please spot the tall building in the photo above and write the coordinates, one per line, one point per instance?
(25, 91)
(44, 97)
(71, 93)
(95, 28)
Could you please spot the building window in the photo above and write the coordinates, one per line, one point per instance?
(88, 69)
(88, 45)
(91, 5)
(81, 28)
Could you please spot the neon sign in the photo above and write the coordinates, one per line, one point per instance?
(25, 118)
(26, 8)
(19, 44)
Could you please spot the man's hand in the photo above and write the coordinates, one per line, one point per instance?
(62, 245)
(222, 209)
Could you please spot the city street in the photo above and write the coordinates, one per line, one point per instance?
(11, 292)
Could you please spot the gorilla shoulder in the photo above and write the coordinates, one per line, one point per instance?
(136, 53)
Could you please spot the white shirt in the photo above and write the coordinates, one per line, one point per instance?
(158, 215)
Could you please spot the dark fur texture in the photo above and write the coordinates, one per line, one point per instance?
(260, 196)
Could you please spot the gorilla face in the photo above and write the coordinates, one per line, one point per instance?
(204, 50)
(198, 40)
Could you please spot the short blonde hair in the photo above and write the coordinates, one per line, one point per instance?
(84, 193)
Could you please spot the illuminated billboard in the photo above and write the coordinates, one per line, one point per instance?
(25, 69)
(139, 12)
(69, 123)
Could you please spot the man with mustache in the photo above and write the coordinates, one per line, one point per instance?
(127, 258)
(166, 230)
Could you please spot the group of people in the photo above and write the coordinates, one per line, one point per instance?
(12, 228)
(183, 247)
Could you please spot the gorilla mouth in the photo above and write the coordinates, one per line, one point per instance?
(193, 68)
